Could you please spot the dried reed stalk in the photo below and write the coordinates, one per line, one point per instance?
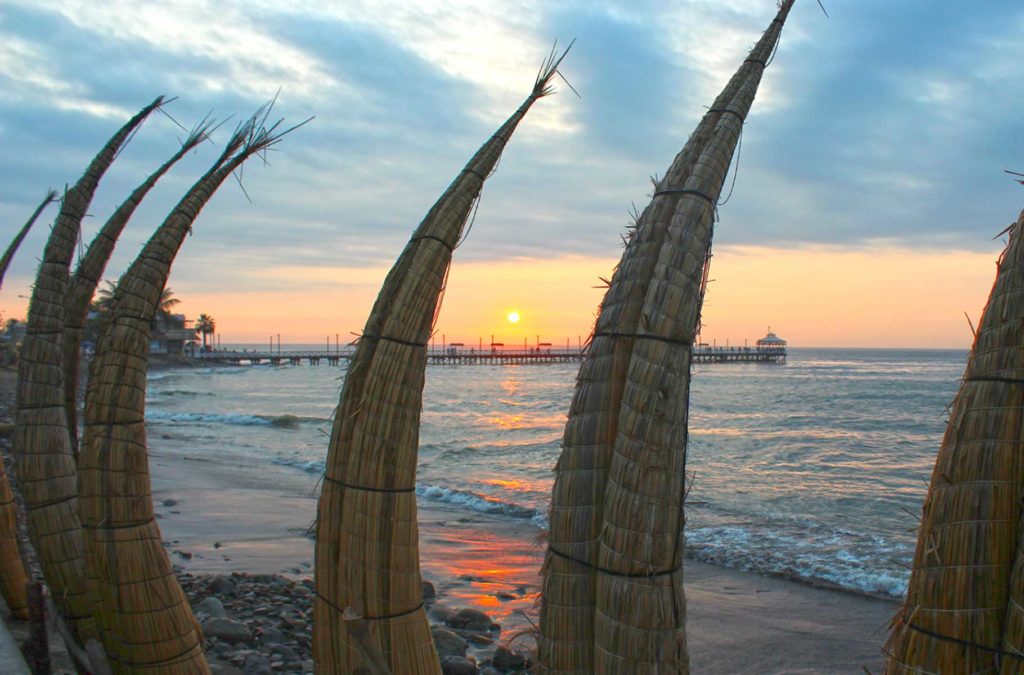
(90, 270)
(567, 637)
(963, 611)
(579, 494)
(13, 577)
(367, 557)
(5, 261)
(47, 474)
(142, 615)
(639, 623)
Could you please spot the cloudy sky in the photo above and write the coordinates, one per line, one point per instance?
(870, 180)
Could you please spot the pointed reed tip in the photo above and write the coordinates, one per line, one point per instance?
(548, 69)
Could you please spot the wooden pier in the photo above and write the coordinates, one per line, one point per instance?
(452, 356)
(708, 354)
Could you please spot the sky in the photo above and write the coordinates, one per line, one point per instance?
(869, 186)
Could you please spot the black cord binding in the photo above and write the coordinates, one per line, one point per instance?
(366, 336)
(685, 191)
(630, 575)
(439, 240)
(966, 643)
(365, 488)
(730, 111)
(475, 173)
(643, 336)
(381, 617)
(994, 378)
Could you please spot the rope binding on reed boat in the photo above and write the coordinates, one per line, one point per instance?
(628, 575)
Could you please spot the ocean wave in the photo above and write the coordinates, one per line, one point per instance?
(814, 560)
(463, 498)
(234, 419)
(480, 503)
(182, 392)
(308, 465)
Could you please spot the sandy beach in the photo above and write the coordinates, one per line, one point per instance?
(737, 622)
(218, 519)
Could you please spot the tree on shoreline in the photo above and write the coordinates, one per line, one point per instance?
(205, 325)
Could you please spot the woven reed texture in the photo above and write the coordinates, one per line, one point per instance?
(578, 494)
(964, 600)
(46, 469)
(5, 261)
(639, 624)
(367, 551)
(578, 497)
(89, 272)
(142, 614)
(13, 578)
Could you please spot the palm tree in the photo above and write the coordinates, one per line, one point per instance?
(163, 310)
(167, 302)
(205, 325)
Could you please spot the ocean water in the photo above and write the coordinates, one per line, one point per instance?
(814, 470)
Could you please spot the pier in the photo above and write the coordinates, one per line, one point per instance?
(709, 354)
(457, 356)
(436, 357)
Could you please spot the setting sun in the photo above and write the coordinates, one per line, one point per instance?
(513, 317)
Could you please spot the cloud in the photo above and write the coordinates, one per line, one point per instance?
(887, 122)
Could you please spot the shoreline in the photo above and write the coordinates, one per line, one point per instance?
(240, 523)
(737, 621)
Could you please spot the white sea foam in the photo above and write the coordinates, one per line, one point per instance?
(756, 548)
(278, 421)
(479, 503)
(466, 499)
(308, 465)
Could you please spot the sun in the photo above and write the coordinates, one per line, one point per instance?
(513, 317)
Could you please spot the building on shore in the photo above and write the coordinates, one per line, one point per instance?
(771, 343)
(172, 334)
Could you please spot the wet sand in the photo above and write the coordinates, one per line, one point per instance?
(737, 622)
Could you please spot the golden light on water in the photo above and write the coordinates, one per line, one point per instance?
(513, 317)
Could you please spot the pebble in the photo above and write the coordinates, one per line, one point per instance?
(506, 659)
(439, 613)
(272, 619)
(448, 643)
(221, 584)
(210, 607)
(226, 629)
(458, 665)
(468, 618)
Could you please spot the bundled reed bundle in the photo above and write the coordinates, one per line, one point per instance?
(47, 474)
(142, 615)
(90, 270)
(13, 577)
(615, 540)
(964, 610)
(5, 261)
(367, 557)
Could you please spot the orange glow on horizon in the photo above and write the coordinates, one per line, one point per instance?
(813, 296)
